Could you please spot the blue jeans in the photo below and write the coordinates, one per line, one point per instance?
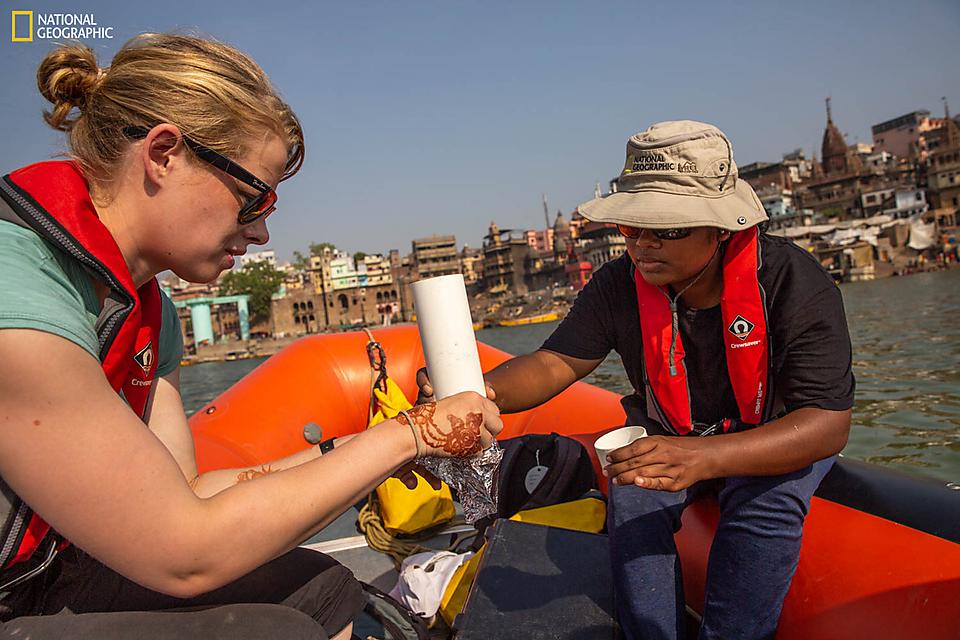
(752, 559)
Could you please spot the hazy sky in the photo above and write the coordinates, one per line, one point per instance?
(439, 116)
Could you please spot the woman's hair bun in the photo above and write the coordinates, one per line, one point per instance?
(66, 78)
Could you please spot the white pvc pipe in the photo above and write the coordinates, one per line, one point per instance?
(446, 333)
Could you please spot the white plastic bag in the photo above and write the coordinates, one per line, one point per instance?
(424, 578)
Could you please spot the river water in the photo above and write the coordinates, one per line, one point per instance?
(906, 358)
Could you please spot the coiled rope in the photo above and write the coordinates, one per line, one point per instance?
(379, 539)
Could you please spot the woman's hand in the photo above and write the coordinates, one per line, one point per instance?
(664, 463)
(459, 426)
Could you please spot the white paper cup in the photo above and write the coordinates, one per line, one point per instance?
(616, 439)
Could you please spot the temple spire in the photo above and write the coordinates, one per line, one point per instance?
(952, 129)
(829, 115)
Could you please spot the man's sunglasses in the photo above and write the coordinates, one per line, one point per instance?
(661, 234)
(254, 208)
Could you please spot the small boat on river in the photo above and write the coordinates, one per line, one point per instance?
(537, 319)
(881, 549)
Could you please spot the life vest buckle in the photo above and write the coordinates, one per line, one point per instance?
(31, 568)
(703, 429)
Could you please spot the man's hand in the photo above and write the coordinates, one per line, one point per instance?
(672, 463)
(664, 463)
(425, 389)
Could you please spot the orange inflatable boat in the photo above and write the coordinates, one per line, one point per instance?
(881, 550)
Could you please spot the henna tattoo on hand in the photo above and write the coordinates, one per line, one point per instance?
(463, 438)
(250, 474)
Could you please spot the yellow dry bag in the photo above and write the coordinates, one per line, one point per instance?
(403, 510)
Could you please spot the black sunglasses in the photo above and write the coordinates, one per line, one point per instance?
(661, 234)
(252, 210)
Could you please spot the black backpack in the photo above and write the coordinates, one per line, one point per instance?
(397, 622)
(569, 473)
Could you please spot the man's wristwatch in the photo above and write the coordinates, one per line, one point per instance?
(325, 446)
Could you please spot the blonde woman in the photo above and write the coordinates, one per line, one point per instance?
(177, 150)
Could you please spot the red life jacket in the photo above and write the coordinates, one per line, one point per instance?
(52, 199)
(745, 340)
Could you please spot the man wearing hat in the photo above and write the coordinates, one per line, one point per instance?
(737, 348)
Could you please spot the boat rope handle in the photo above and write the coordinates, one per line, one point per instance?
(377, 357)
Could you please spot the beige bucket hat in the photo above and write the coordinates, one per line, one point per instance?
(679, 174)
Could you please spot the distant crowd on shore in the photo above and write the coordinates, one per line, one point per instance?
(945, 260)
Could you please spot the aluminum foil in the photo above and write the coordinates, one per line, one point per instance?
(474, 479)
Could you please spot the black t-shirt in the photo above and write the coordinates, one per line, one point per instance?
(808, 337)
